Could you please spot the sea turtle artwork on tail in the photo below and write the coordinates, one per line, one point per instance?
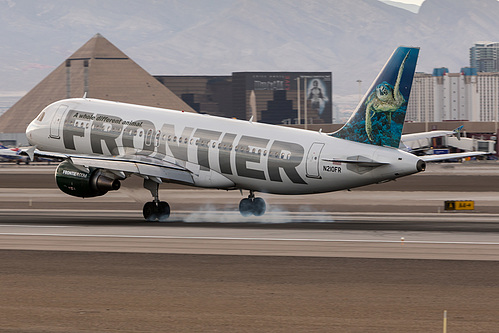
(385, 98)
(379, 117)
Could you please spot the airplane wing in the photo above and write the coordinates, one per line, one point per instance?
(143, 166)
(443, 157)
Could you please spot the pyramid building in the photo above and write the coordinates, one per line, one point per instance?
(99, 70)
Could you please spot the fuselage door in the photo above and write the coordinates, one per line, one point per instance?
(313, 159)
(55, 124)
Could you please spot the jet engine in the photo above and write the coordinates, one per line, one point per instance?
(78, 183)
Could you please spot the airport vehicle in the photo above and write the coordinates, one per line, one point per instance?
(103, 142)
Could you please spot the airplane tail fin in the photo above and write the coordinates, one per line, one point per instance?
(379, 117)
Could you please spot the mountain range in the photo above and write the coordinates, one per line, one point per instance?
(350, 38)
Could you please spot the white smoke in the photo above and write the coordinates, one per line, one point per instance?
(275, 214)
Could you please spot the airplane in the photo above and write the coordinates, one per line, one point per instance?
(103, 143)
(418, 143)
(415, 142)
(12, 154)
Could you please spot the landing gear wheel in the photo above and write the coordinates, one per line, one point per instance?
(150, 211)
(259, 206)
(252, 206)
(156, 211)
(163, 211)
(246, 207)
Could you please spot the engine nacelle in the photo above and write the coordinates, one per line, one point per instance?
(78, 183)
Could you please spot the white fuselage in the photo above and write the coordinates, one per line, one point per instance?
(219, 152)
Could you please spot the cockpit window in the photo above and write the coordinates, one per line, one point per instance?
(40, 117)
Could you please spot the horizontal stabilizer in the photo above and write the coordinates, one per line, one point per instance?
(372, 164)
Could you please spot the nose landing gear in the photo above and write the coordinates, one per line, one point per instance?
(252, 206)
(155, 210)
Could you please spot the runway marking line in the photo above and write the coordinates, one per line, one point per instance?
(252, 239)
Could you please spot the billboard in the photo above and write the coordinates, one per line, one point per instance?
(315, 88)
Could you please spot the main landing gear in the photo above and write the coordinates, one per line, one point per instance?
(155, 210)
(252, 206)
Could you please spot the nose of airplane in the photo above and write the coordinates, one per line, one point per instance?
(31, 133)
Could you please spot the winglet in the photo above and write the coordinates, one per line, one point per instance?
(457, 132)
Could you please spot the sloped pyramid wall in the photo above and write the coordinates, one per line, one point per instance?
(102, 71)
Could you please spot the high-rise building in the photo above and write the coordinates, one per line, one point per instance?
(456, 95)
(421, 102)
(488, 89)
(444, 96)
(484, 56)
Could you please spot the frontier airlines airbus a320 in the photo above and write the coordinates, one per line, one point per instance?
(104, 142)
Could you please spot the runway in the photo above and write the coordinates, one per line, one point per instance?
(293, 239)
(372, 223)
(386, 258)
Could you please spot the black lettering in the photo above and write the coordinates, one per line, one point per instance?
(224, 153)
(278, 159)
(70, 130)
(329, 168)
(205, 138)
(105, 131)
(248, 152)
(169, 138)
